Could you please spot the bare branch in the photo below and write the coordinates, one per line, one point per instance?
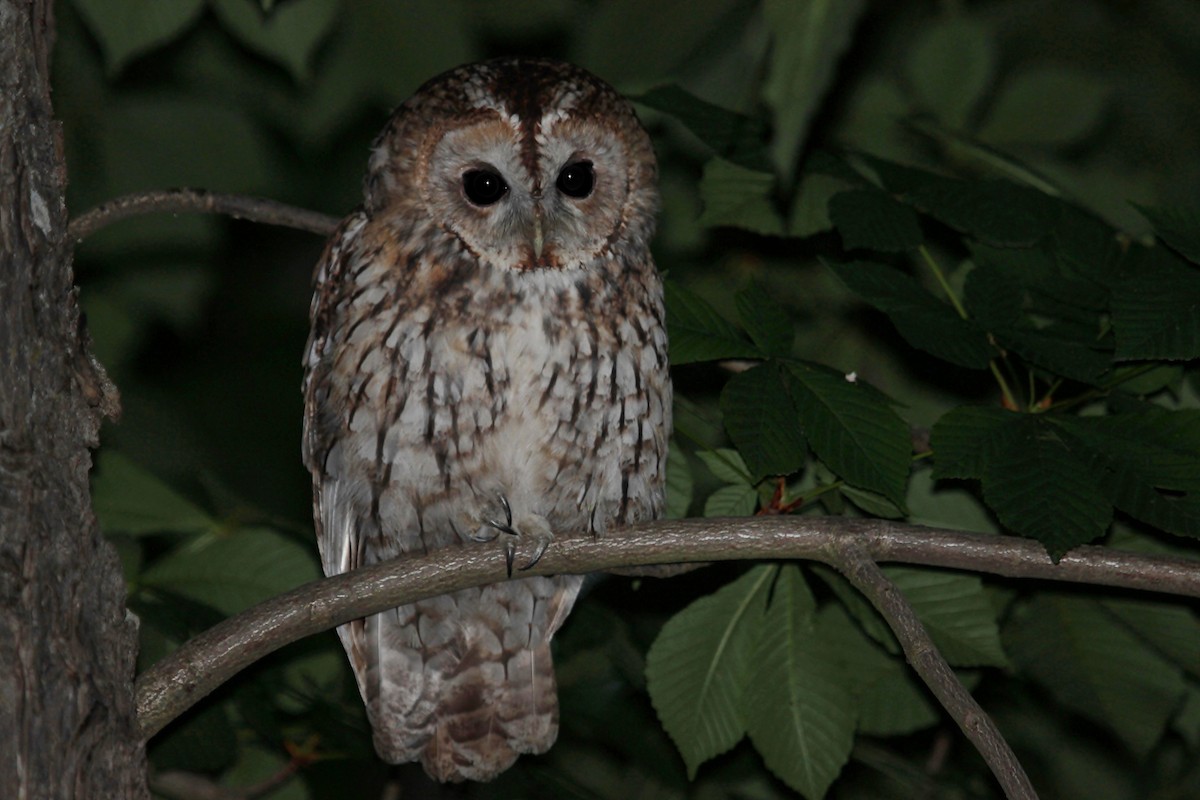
(853, 561)
(173, 685)
(175, 201)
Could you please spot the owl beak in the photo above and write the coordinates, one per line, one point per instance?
(539, 240)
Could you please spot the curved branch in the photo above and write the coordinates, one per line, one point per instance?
(853, 561)
(199, 666)
(175, 201)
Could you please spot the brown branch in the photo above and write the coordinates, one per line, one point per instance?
(198, 667)
(175, 201)
(851, 558)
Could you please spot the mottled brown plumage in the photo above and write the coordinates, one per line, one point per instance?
(484, 364)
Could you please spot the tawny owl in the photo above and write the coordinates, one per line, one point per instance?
(488, 359)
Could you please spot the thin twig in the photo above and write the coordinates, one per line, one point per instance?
(198, 667)
(853, 561)
(176, 201)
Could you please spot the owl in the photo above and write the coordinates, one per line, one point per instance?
(488, 360)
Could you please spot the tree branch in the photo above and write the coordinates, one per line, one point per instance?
(853, 561)
(175, 201)
(199, 666)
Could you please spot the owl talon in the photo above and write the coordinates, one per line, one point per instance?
(510, 552)
(543, 546)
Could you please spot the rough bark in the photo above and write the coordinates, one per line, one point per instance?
(67, 650)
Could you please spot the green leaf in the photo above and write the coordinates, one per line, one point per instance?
(810, 205)
(853, 430)
(700, 664)
(738, 197)
(732, 136)
(808, 40)
(735, 500)
(872, 219)
(127, 29)
(698, 332)
(957, 613)
(891, 700)
(762, 421)
(1095, 667)
(1156, 307)
(765, 319)
(966, 439)
(680, 486)
(924, 321)
(129, 499)
(996, 211)
(1049, 106)
(950, 66)
(236, 570)
(1173, 630)
(1039, 488)
(1178, 226)
(288, 34)
(1146, 463)
(873, 503)
(798, 710)
(626, 40)
(727, 465)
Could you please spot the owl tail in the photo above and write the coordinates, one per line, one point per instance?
(464, 699)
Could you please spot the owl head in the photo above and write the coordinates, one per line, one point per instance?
(528, 164)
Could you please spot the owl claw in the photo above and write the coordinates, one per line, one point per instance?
(543, 546)
(510, 551)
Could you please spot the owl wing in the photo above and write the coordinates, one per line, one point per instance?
(337, 531)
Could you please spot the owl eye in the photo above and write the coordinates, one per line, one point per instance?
(576, 180)
(483, 187)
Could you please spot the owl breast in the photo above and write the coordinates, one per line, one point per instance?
(470, 389)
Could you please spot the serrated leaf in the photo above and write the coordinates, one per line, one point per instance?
(1178, 226)
(288, 34)
(762, 421)
(1049, 106)
(128, 28)
(810, 205)
(700, 663)
(808, 40)
(891, 700)
(765, 320)
(965, 440)
(1173, 630)
(871, 502)
(740, 198)
(233, 571)
(727, 465)
(1156, 307)
(735, 500)
(852, 430)
(698, 332)
(924, 321)
(1039, 488)
(950, 66)
(1095, 667)
(872, 219)
(1145, 463)
(129, 499)
(799, 711)
(956, 612)
(732, 136)
(680, 485)
(995, 211)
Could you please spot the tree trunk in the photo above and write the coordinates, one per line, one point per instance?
(67, 650)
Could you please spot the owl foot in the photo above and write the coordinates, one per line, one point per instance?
(534, 527)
